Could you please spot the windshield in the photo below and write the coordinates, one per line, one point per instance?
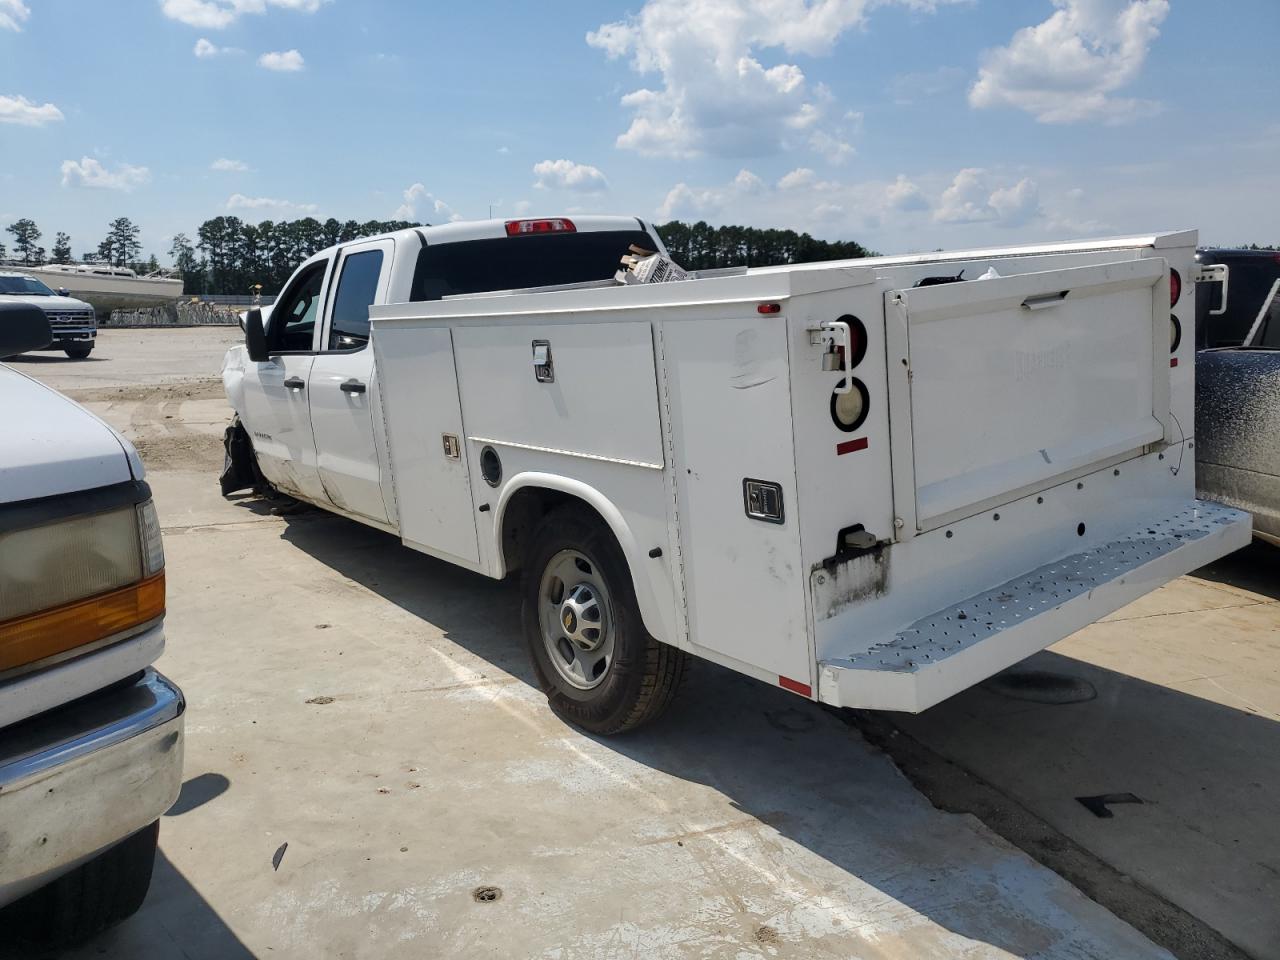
(27, 286)
(513, 263)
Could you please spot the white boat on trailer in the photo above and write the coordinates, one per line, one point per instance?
(108, 288)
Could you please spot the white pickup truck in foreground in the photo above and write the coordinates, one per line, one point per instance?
(873, 483)
(91, 737)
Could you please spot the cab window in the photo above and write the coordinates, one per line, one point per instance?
(357, 288)
(293, 318)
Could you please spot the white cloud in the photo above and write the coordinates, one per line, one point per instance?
(521, 207)
(88, 172)
(13, 14)
(205, 50)
(219, 14)
(1016, 205)
(748, 183)
(567, 175)
(224, 165)
(417, 197)
(800, 177)
(974, 197)
(20, 110)
(716, 95)
(834, 149)
(905, 196)
(1068, 68)
(238, 201)
(504, 150)
(689, 202)
(283, 61)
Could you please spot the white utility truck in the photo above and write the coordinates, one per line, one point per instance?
(873, 483)
(91, 736)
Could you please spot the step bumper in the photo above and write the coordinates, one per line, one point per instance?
(967, 642)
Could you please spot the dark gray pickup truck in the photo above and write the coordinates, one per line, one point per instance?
(1238, 420)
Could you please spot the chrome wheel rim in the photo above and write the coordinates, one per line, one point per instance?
(576, 619)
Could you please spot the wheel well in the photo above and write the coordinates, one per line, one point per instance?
(528, 505)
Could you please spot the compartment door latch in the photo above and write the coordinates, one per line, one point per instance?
(544, 370)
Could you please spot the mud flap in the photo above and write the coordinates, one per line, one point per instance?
(239, 467)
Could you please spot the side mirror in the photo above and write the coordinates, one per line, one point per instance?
(64, 292)
(23, 327)
(255, 338)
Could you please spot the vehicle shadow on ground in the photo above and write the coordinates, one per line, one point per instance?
(36, 359)
(1205, 775)
(1255, 568)
(788, 765)
(175, 922)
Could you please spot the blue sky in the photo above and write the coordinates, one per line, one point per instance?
(904, 124)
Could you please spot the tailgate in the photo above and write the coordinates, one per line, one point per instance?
(1005, 386)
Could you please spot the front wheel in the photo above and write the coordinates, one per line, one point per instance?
(78, 352)
(599, 667)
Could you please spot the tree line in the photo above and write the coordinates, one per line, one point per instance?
(119, 248)
(231, 256)
(700, 246)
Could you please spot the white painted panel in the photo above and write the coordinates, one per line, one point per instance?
(1004, 397)
(419, 395)
(602, 403)
(731, 413)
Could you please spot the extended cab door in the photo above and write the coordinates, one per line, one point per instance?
(275, 391)
(342, 388)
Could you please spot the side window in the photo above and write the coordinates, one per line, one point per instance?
(293, 318)
(357, 287)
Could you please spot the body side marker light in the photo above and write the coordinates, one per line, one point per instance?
(795, 686)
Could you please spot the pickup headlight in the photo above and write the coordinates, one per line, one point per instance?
(76, 582)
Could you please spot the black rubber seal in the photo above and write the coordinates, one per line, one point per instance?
(866, 407)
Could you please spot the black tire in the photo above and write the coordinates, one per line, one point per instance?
(91, 898)
(78, 352)
(644, 675)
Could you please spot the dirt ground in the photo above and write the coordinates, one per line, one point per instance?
(366, 751)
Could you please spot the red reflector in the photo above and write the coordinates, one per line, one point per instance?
(795, 686)
(523, 228)
(1173, 362)
(769, 308)
(1175, 287)
(849, 446)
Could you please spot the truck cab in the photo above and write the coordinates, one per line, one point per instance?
(309, 406)
(91, 736)
(73, 322)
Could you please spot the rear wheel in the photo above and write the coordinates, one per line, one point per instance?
(94, 896)
(79, 351)
(599, 667)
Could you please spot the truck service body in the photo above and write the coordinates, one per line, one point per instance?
(872, 482)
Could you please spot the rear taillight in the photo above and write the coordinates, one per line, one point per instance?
(524, 228)
(1175, 287)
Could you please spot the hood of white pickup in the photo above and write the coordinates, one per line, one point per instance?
(50, 445)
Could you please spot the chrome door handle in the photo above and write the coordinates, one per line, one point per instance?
(352, 386)
(295, 383)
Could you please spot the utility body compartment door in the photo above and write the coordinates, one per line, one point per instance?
(1002, 387)
(419, 392)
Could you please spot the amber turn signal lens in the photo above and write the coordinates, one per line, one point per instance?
(47, 633)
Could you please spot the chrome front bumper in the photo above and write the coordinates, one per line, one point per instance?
(80, 778)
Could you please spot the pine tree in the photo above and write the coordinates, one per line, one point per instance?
(62, 248)
(25, 234)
